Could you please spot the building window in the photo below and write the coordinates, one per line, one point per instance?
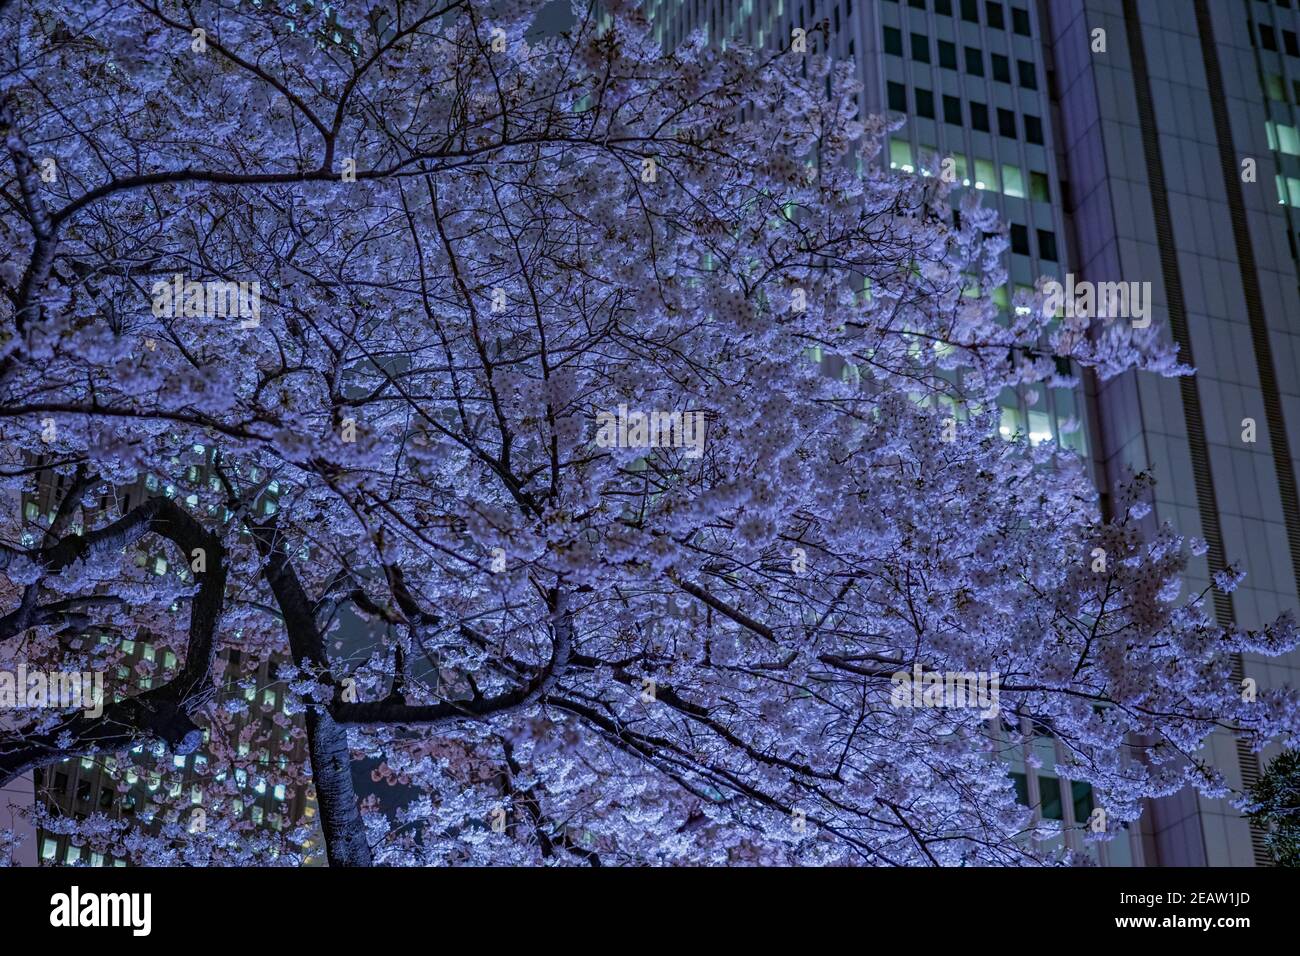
(900, 155)
(943, 7)
(1001, 68)
(924, 103)
(970, 10)
(1267, 38)
(1028, 77)
(994, 12)
(1050, 789)
(1284, 138)
(918, 4)
(1013, 181)
(897, 96)
(1039, 190)
(1289, 43)
(979, 117)
(893, 41)
(1020, 21)
(974, 61)
(1006, 123)
(947, 55)
(49, 848)
(1081, 797)
(986, 175)
(1020, 783)
(952, 110)
(1019, 240)
(1033, 129)
(920, 48)
(1047, 245)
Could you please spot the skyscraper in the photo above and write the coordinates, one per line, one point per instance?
(1152, 142)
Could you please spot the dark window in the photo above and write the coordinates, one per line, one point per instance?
(919, 4)
(1050, 790)
(994, 12)
(1267, 38)
(979, 117)
(943, 7)
(974, 61)
(1028, 78)
(897, 97)
(920, 48)
(947, 55)
(1001, 68)
(1033, 129)
(1038, 188)
(952, 110)
(1047, 245)
(970, 10)
(60, 781)
(1082, 794)
(1022, 788)
(1020, 21)
(1019, 240)
(83, 791)
(1006, 123)
(106, 798)
(924, 103)
(1289, 42)
(893, 41)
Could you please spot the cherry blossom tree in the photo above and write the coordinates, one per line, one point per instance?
(477, 240)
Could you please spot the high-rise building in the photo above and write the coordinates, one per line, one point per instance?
(1121, 141)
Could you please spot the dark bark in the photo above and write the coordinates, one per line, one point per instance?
(327, 739)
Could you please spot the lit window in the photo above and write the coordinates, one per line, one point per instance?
(900, 154)
(1040, 430)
